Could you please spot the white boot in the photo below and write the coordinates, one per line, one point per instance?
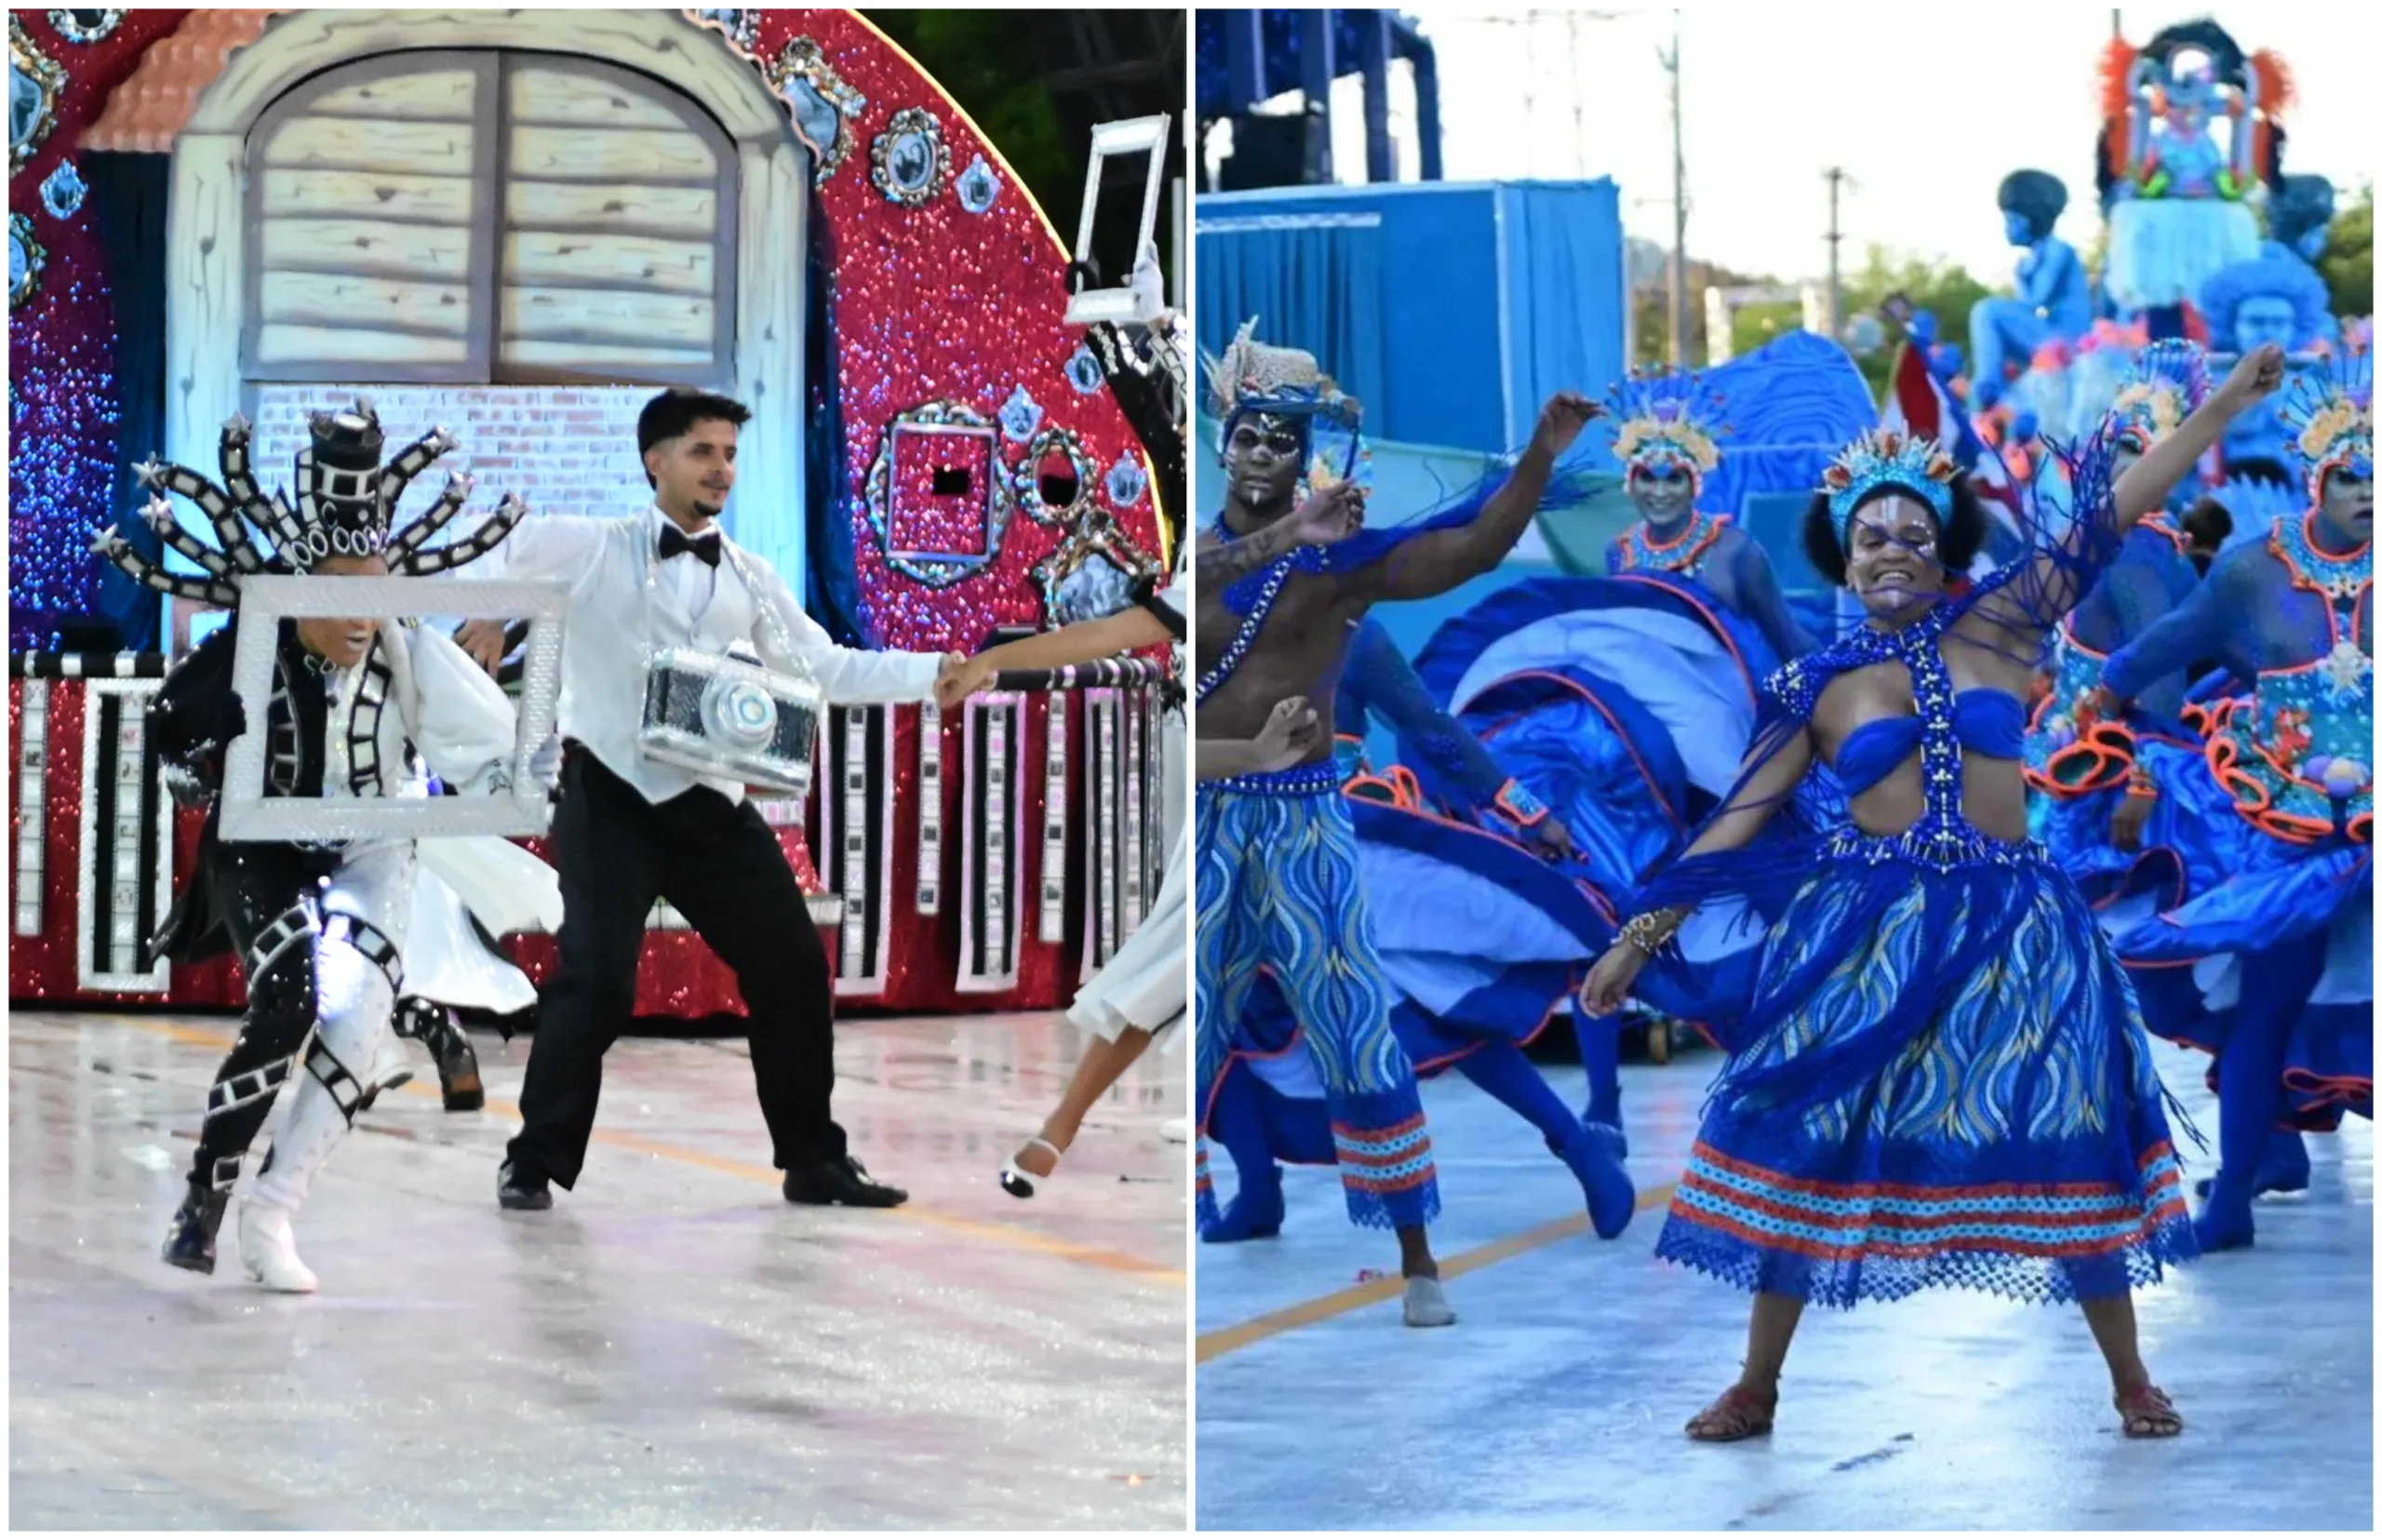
(316, 1120)
(269, 1253)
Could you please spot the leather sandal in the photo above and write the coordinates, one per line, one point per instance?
(1737, 1413)
(2148, 1412)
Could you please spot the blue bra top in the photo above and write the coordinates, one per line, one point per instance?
(1991, 722)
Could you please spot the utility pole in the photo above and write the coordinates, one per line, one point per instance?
(1834, 270)
(1679, 211)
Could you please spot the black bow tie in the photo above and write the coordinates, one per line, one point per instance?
(705, 547)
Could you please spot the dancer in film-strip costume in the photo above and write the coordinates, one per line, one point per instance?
(1943, 1078)
(359, 708)
(1286, 574)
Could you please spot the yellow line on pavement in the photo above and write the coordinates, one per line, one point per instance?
(1231, 1339)
(1013, 1235)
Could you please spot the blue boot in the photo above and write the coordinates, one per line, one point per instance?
(1594, 1154)
(1255, 1210)
(2224, 1221)
(1600, 1057)
(2282, 1166)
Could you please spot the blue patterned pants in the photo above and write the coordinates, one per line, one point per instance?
(1279, 894)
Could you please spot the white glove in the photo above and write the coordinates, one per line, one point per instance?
(1148, 285)
(546, 764)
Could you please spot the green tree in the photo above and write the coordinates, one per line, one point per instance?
(984, 60)
(1944, 290)
(2347, 263)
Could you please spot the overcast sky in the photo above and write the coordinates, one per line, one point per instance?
(1926, 104)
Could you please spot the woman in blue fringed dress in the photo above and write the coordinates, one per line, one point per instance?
(1942, 1080)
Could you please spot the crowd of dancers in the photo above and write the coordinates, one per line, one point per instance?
(1928, 882)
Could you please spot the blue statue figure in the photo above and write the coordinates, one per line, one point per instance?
(2278, 298)
(2299, 226)
(2281, 979)
(2055, 297)
(2173, 193)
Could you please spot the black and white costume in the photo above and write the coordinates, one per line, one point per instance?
(630, 828)
(320, 929)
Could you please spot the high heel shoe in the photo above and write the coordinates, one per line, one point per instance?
(1017, 1181)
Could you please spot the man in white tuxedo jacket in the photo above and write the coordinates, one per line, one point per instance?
(628, 828)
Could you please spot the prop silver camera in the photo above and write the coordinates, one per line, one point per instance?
(732, 720)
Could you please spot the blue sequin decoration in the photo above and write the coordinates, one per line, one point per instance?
(62, 189)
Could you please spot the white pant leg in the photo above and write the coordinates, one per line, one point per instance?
(357, 972)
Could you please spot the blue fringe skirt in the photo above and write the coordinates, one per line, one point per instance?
(1943, 1081)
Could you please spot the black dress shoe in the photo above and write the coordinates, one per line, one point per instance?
(458, 1069)
(520, 1188)
(190, 1239)
(844, 1180)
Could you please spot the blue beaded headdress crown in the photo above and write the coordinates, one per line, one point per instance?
(1887, 458)
(2330, 415)
(2166, 383)
(1666, 420)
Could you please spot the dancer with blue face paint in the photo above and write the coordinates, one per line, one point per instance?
(1277, 885)
(1942, 1080)
(2275, 965)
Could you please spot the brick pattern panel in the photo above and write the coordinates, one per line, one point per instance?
(565, 449)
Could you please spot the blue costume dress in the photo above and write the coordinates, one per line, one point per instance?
(2272, 969)
(1942, 1080)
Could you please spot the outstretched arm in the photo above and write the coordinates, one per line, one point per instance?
(1765, 786)
(2194, 632)
(1084, 642)
(1383, 681)
(1330, 515)
(1434, 563)
(1766, 606)
(2050, 585)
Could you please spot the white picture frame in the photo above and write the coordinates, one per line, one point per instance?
(1130, 136)
(265, 602)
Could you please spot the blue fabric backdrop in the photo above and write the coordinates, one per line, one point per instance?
(1449, 309)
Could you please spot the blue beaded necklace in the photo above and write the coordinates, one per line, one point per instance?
(1941, 836)
(1252, 599)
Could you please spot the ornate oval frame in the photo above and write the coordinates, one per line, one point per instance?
(63, 22)
(1028, 477)
(802, 61)
(26, 58)
(910, 120)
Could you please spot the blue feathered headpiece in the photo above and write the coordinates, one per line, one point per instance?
(2330, 415)
(1666, 420)
(2166, 383)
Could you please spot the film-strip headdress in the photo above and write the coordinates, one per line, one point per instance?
(1285, 389)
(1667, 421)
(2330, 415)
(2167, 382)
(1886, 458)
(346, 503)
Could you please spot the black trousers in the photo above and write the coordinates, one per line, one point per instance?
(258, 889)
(722, 867)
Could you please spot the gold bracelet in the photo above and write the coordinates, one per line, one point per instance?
(1649, 931)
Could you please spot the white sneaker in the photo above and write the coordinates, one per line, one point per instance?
(1175, 1131)
(269, 1253)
